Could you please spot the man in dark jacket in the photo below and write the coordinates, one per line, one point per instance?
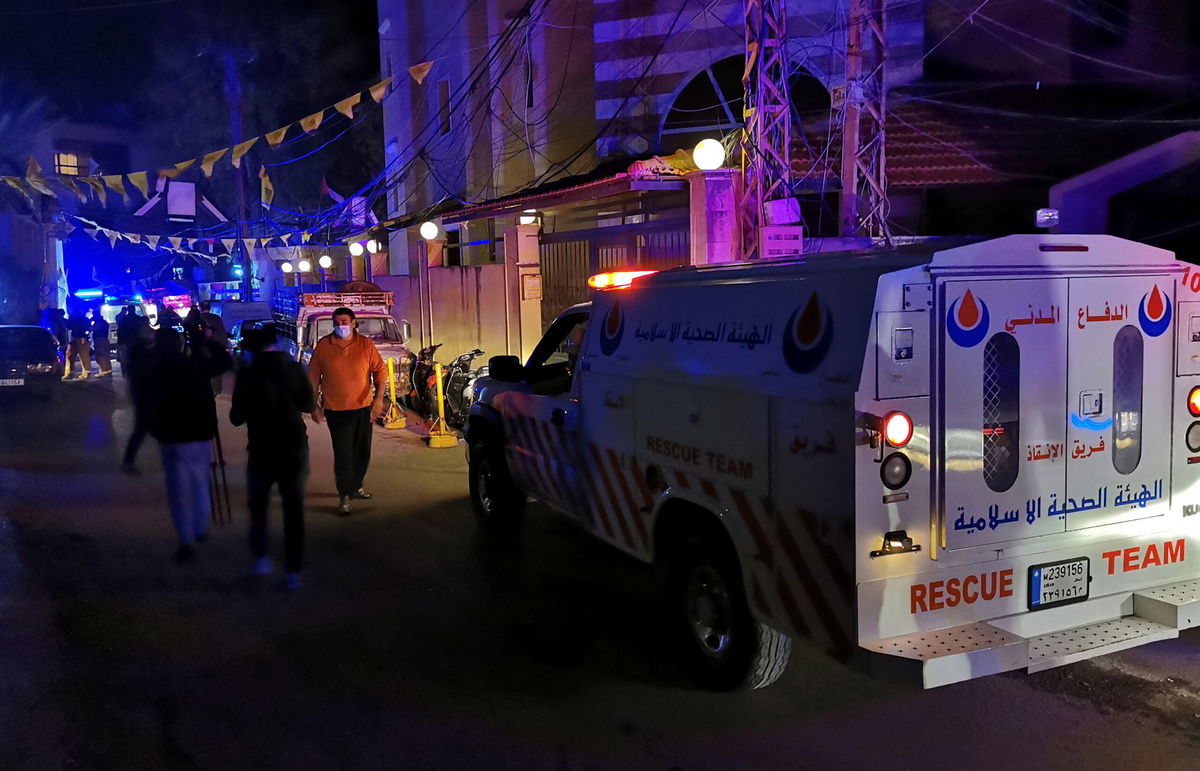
(182, 416)
(271, 397)
(100, 344)
(80, 329)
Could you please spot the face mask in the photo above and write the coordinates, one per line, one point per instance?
(342, 332)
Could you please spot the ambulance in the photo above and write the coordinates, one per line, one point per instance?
(960, 461)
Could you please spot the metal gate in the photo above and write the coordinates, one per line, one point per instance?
(569, 258)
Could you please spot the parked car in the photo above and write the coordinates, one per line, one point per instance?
(237, 331)
(28, 361)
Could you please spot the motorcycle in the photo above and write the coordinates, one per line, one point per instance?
(420, 379)
(458, 383)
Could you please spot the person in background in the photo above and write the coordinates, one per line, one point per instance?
(79, 328)
(182, 416)
(139, 355)
(100, 344)
(132, 329)
(61, 334)
(216, 325)
(271, 397)
(344, 367)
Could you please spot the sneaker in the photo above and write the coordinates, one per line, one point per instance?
(185, 553)
(361, 494)
(292, 581)
(343, 507)
(261, 566)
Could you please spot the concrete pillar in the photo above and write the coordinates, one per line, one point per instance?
(523, 289)
(714, 222)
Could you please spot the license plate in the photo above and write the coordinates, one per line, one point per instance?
(1059, 583)
(12, 381)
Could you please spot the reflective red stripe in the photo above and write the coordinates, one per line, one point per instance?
(756, 531)
(709, 489)
(812, 588)
(634, 514)
(616, 507)
(640, 478)
(682, 480)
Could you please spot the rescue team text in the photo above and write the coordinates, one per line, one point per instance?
(936, 595)
(1134, 558)
(685, 453)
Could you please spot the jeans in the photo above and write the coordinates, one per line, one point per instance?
(290, 474)
(187, 466)
(350, 431)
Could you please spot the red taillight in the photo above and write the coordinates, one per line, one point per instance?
(1194, 402)
(897, 429)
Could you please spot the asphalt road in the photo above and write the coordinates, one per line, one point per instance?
(414, 645)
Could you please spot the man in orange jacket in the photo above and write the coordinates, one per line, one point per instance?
(344, 367)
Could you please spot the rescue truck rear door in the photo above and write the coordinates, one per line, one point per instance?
(1003, 389)
(1118, 399)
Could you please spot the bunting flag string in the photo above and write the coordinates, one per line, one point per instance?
(35, 181)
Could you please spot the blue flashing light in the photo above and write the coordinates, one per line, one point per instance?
(88, 294)
(238, 271)
(137, 297)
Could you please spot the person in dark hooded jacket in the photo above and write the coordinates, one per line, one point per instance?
(182, 415)
(271, 396)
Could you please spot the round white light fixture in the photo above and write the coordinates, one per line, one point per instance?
(325, 261)
(356, 249)
(305, 266)
(709, 154)
(429, 230)
(528, 217)
(372, 246)
(286, 267)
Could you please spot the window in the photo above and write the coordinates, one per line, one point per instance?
(1001, 411)
(72, 164)
(552, 365)
(1127, 399)
(376, 328)
(444, 106)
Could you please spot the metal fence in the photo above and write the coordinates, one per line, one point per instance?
(569, 258)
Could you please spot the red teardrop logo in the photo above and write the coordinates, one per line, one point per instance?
(808, 326)
(968, 311)
(1154, 308)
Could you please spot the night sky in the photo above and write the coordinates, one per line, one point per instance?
(102, 59)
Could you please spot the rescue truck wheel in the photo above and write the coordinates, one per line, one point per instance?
(499, 506)
(730, 649)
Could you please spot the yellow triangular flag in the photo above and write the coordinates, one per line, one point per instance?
(69, 183)
(287, 238)
(311, 123)
(305, 237)
(134, 237)
(34, 178)
(92, 232)
(208, 161)
(97, 187)
(276, 136)
(418, 72)
(241, 149)
(178, 169)
(153, 241)
(380, 89)
(268, 190)
(112, 237)
(248, 244)
(141, 181)
(176, 242)
(116, 183)
(229, 242)
(15, 183)
(347, 105)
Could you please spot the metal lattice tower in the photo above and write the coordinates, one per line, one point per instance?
(767, 135)
(864, 208)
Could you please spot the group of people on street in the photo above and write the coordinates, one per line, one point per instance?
(80, 337)
(174, 379)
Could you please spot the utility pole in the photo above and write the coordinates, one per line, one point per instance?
(232, 57)
(766, 168)
(864, 205)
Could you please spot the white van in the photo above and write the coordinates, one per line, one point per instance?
(974, 460)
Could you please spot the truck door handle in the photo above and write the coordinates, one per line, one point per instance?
(558, 416)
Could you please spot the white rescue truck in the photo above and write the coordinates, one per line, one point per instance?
(982, 459)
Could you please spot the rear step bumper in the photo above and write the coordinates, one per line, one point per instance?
(974, 650)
